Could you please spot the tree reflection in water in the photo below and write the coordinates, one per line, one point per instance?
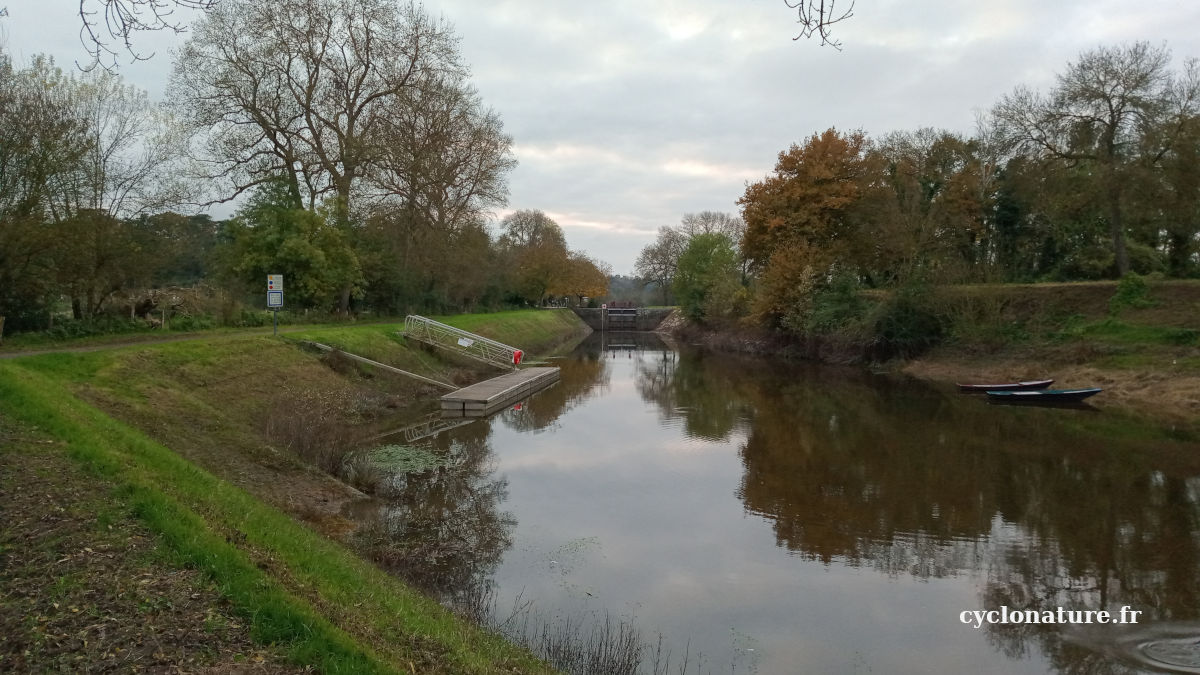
(1047, 508)
(445, 530)
(580, 378)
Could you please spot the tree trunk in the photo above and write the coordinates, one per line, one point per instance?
(1178, 254)
(1, 329)
(1115, 227)
(1118, 237)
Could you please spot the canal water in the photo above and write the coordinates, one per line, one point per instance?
(744, 515)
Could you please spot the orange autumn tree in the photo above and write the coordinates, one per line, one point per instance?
(803, 221)
(585, 277)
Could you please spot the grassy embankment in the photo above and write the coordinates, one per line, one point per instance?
(176, 430)
(1142, 348)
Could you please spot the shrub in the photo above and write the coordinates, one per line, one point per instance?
(835, 307)
(313, 426)
(102, 324)
(1132, 291)
(190, 322)
(904, 324)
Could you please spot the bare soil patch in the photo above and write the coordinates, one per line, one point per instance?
(1162, 388)
(84, 586)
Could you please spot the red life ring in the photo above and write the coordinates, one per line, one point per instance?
(517, 354)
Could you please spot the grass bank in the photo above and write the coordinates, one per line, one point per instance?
(175, 431)
(1139, 342)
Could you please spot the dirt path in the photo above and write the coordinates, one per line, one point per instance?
(84, 586)
(150, 340)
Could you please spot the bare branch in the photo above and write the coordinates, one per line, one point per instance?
(816, 16)
(107, 21)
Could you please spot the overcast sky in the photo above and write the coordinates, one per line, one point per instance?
(626, 114)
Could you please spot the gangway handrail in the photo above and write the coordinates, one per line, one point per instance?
(462, 342)
(362, 359)
(430, 425)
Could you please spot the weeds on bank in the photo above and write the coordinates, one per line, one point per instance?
(1117, 331)
(311, 425)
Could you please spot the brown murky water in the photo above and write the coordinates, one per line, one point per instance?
(785, 518)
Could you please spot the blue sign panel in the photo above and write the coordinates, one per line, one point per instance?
(274, 299)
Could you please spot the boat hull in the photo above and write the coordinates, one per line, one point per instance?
(1030, 385)
(1043, 396)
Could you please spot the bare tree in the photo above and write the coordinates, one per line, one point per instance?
(444, 157)
(334, 93)
(817, 16)
(1098, 113)
(710, 222)
(129, 146)
(303, 88)
(76, 153)
(659, 260)
(40, 137)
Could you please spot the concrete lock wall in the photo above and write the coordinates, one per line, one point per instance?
(645, 320)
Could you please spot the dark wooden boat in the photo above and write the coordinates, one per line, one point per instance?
(1043, 396)
(1011, 386)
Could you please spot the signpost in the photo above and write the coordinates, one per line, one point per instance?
(275, 297)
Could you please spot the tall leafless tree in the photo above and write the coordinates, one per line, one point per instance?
(129, 147)
(658, 261)
(365, 102)
(331, 92)
(1098, 112)
(444, 157)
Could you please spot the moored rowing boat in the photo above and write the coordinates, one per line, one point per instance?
(1043, 395)
(1010, 386)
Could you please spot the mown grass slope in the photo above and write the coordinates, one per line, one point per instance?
(176, 428)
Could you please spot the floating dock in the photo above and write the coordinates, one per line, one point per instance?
(489, 396)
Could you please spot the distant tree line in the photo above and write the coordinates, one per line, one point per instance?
(1096, 178)
(365, 161)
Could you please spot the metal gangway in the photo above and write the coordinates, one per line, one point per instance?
(461, 342)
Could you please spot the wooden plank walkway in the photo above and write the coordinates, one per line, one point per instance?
(486, 397)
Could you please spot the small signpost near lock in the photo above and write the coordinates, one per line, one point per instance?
(275, 297)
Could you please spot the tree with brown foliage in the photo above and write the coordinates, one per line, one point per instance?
(535, 252)
(929, 222)
(585, 277)
(808, 198)
(802, 220)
